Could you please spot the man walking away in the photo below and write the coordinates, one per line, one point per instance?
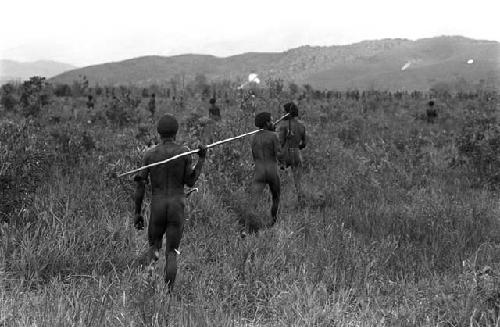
(292, 137)
(167, 203)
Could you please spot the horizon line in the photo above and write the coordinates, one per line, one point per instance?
(243, 53)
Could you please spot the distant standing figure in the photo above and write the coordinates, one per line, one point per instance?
(213, 110)
(431, 112)
(114, 103)
(265, 152)
(167, 202)
(90, 102)
(152, 105)
(253, 105)
(292, 136)
(209, 126)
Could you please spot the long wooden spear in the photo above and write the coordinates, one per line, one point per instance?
(196, 150)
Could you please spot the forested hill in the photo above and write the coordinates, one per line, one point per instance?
(379, 64)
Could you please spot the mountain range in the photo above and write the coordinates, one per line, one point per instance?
(19, 71)
(378, 64)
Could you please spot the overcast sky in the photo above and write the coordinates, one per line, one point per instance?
(96, 31)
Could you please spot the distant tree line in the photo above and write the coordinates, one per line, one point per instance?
(31, 95)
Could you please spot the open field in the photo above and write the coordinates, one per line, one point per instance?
(400, 228)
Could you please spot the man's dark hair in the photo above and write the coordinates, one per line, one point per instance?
(291, 108)
(262, 118)
(212, 101)
(168, 126)
(431, 103)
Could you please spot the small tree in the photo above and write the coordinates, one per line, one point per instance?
(174, 84)
(117, 113)
(98, 89)
(201, 85)
(76, 89)
(8, 99)
(33, 96)
(440, 89)
(308, 88)
(85, 83)
(275, 87)
(62, 90)
(294, 88)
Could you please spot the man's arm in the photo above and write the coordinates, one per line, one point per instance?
(282, 135)
(140, 190)
(252, 145)
(191, 175)
(277, 147)
(141, 179)
(302, 138)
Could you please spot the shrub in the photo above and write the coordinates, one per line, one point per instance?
(62, 90)
(25, 164)
(33, 96)
(117, 113)
(478, 146)
(8, 98)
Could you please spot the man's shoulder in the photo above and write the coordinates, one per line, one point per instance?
(160, 150)
(263, 134)
(269, 134)
(283, 124)
(176, 147)
(301, 125)
(258, 135)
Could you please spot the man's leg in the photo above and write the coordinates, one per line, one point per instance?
(156, 228)
(297, 179)
(257, 189)
(274, 186)
(297, 174)
(256, 194)
(174, 234)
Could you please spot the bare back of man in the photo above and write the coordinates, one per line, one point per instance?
(293, 138)
(265, 150)
(167, 203)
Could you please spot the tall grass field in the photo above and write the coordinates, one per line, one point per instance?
(400, 226)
